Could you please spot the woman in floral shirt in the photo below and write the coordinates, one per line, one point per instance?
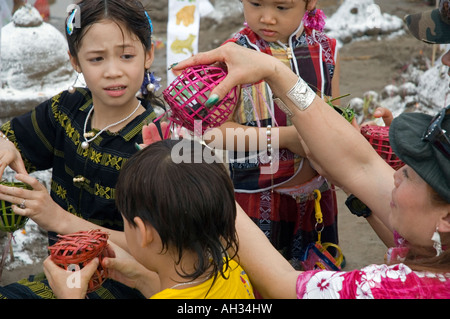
(413, 203)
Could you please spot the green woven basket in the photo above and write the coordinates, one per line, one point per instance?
(9, 221)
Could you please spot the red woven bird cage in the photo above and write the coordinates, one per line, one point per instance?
(378, 137)
(188, 93)
(80, 248)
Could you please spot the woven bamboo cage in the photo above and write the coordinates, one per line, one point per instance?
(80, 248)
(10, 221)
(378, 137)
(188, 93)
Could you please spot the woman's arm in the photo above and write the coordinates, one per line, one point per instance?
(345, 155)
(270, 273)
(342, 152)
(382, 231)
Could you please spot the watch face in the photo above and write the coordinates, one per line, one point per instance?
(357, 207)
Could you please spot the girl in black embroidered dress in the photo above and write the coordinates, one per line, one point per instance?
(86, 135)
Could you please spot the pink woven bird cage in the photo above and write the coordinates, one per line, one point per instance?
(75, 250)
(188, 93)
(378, 137)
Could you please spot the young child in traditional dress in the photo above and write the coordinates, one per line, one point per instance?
(86, 134)
(282, 202)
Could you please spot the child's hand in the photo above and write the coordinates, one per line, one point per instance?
(384, 113)
(9, 155)
(123, 268)
(150, 133)
(67, 284)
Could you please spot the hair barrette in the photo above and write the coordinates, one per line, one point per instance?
(149, 21)
(70, 26)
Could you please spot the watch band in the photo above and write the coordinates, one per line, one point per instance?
(357, 207)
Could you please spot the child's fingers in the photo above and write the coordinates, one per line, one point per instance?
(165, 129)
(150, 134)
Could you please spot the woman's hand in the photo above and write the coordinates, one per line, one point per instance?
(67, 284)
(236, 61)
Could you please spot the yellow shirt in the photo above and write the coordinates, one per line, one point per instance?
(237, 286)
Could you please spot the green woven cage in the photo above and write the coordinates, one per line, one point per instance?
(9, 221)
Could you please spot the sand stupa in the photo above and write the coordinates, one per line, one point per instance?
(35, 63)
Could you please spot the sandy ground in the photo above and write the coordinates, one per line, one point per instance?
(366, 65)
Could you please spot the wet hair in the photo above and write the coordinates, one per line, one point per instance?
(190, 203)
(129, 13)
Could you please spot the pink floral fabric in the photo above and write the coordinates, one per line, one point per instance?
(374, 282)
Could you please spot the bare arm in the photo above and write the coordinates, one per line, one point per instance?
(234, 136)
(46, 213)
(270, 273)
(344, 154)
(342, 151)
(382, 231)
